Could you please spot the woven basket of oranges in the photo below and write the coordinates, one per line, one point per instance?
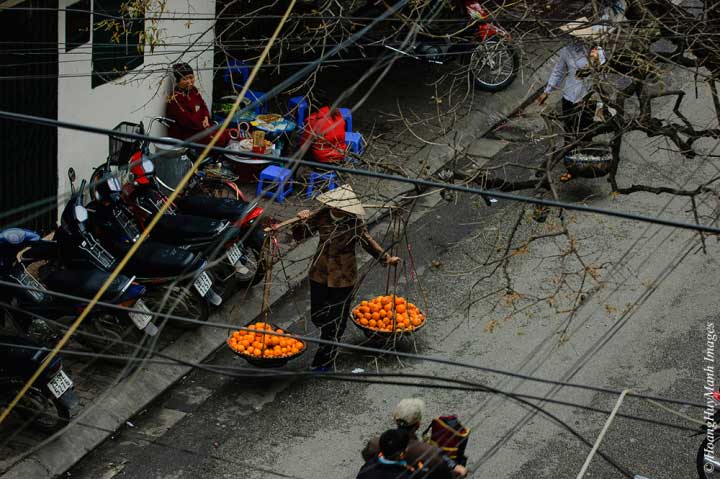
(386, 316)
(265, 350)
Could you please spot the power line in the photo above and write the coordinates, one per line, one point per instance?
(370, 174)
(366, 349)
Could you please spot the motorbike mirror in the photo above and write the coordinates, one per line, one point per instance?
(114, 184)
(148, 166)
(71, 177)
(81, 214)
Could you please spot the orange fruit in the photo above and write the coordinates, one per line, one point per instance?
(364, 322)
(376, 316)
(400, 308)
(373, 323)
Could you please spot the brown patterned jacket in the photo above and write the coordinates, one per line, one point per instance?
(334, 263)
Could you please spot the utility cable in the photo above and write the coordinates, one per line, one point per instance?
(373, 350)
(596, 446)
(371, 174)
(164, 207)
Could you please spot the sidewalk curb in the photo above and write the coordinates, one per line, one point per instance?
(136, 392)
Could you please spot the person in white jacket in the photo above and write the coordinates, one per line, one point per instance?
(573, 70)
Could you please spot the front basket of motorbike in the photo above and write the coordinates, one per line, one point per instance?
(121, 148)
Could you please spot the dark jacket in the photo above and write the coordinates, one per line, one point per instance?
(335, 264)
(188, 110)
(375, 468)
(437, 464)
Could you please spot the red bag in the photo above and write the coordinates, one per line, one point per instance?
(447, 433)
(327, 134)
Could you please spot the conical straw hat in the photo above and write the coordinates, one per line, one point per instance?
(581, 28)
(343, 198)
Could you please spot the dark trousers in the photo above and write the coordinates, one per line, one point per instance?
(577, 118)
(329, 310)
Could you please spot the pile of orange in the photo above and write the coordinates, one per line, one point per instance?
(378, 313)
(255, 343)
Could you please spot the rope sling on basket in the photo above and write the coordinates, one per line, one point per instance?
(389, 315)
(255, 345)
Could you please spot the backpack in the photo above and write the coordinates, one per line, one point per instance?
(447, 433)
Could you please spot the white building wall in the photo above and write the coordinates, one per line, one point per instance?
(127, 98)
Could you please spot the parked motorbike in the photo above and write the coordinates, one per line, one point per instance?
(106, 330)
(443, 35)
(212, 179)
(48, 403)
(176, 278)
(242, 246)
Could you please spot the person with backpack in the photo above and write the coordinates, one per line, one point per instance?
(436, 464)
(390, 461)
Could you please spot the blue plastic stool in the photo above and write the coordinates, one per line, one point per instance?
(299, 105)
(328, 177)
(347, 116)
(275, 181)
(238, 68)
(354, 142)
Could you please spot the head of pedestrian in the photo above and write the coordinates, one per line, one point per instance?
(393, 444)
(408, 414)
(184, 76)
(343, 203)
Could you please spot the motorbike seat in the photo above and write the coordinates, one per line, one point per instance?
(188, 229)
(20, 356)
(84, 283)
(220, 208)
(159, 260)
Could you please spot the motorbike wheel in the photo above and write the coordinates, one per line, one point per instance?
(110, 334)
(224, 278)
(253, 261)
(37, 408)
(494, 64)
(178, 301)
(701, 463)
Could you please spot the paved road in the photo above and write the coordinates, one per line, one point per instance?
(642, 325)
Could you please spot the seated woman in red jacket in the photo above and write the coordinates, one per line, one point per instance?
(188, 109)
(325, 129)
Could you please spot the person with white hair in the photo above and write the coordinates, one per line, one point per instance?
(408, 417)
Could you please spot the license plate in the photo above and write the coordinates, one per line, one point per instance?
(203, 284)
(233, 254)
(141, 320)
(59, 384)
